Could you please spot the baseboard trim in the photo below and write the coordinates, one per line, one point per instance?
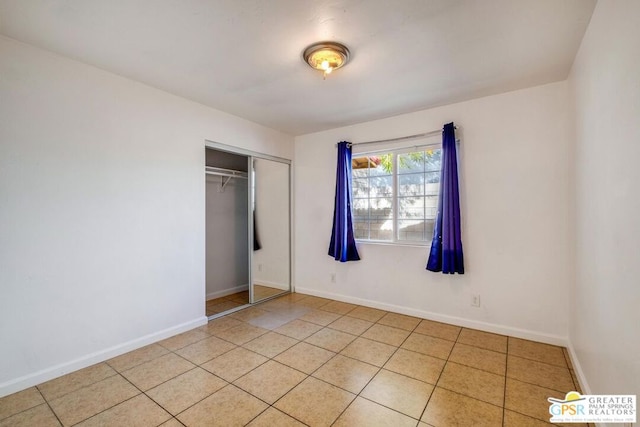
(228, 291)
(56, 371)
(577, 368)
(271, 284)
(453, 320)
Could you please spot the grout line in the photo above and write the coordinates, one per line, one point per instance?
(260, 413)
(48, 405)
(538, 361)
(197, 402)
(289, 415)
(388, 407)
(546, 421)
(504, 391)
(115, 372)
(437, 381)
(173, 350)
(119, 403)
(167, 380)
(113, 406)
(537, 385)
(143, 363)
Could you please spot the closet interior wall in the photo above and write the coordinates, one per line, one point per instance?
(227, 231)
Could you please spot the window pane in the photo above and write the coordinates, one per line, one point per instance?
(364, 166)
(360, 187)
(432, 177)
(381, 219)
(361, 228)
(428, 229)
(359, 173)
(411, 207)
(360, 207)
(433, 160)
(381, 186)
(380, 165)
(381, 204)
(411, 162)
(411, 184)
(360, 165)
(360, 212)
(432, 189)
(431, 206)
(411, 230)
(386, 235)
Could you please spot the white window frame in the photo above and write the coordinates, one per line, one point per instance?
(395, 199)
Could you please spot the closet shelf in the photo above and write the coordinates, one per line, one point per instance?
(210, 170)
(222, 173)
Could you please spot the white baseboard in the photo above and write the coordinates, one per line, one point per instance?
(271, 284)
(453, 320)
(577, 368)
(228, 291)
(56, 371)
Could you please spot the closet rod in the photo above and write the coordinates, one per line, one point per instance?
(402, 138)
(210, 170)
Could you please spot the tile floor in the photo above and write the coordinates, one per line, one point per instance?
(229, 302)
(221, 304)
(301, 360)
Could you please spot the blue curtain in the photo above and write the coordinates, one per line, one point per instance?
(446, 246)
(343, 244)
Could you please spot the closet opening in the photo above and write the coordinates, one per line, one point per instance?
(248, 237)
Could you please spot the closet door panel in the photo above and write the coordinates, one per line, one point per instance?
(271, 267)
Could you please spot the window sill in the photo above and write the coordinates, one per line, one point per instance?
(401, 244)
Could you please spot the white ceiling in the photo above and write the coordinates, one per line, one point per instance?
(244, 56)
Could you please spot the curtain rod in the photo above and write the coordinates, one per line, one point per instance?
(402, 138)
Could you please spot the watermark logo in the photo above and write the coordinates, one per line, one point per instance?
(577, 408)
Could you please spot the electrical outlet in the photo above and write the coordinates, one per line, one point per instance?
(475, 300)
(259, 267)
(333, 277)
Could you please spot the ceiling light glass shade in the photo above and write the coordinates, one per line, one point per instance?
(326, 56)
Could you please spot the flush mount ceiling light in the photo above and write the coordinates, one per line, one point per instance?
(326, 56)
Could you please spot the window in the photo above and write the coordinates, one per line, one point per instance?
(395, 195)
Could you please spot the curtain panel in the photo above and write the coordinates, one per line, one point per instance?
(446, 247)
(343, 244)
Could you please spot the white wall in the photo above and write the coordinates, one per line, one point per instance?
(516, 227)
(605, 86)
(102, 219)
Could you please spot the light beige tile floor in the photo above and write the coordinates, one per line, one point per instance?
(302, 360)
(222, 304)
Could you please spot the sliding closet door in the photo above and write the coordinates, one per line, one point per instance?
(271, 256)
(248, 242)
